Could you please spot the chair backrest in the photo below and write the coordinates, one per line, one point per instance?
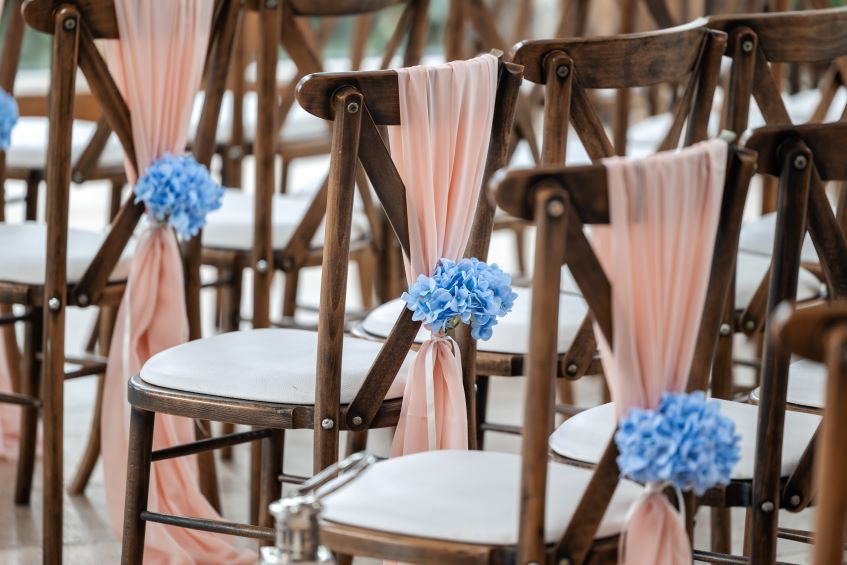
(358, 103)
(801, 157)
(569, 68)
(75, 26)
(561, 201)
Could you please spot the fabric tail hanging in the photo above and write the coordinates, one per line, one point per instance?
(439, 149)
(657, 253)
(158, 65)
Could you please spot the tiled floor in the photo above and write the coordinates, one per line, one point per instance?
(88, 536)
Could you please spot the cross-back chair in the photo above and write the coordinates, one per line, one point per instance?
(272, 233)
(285, 383)
(757, 42)
(466, 507)
(73, 268)
(818, 333)
(801, 157)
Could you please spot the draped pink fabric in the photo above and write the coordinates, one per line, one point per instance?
(657, 252)
(158, 65)
(440, 150)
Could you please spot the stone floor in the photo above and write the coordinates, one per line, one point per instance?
(88, 536)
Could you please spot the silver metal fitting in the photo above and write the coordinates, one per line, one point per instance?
(555, 208)
(78, 178)
(800, 162)
(563, 71)
(767, 507)
(794, 500)
(297, 516)
(353, 107)
(747, 45)
(235, 152)
(327, 423)
(69, 24)
(571, 369)
(357, 420)
(726, 330)
(82, 300)
(54, 304)
(261, 266)
(749, 325)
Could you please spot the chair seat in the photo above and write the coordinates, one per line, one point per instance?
(757, 237)
(583, 437)
(511, 334)
(266, 365)
(464, 496)
(28, 147)
(231, 226)
(23, 247)
(806, 385)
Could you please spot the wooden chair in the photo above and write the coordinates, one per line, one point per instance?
(465, 504)
(271, 232)
(96, 154)
(818, 333)
(75, 268)
(302, 397)
(757, 42)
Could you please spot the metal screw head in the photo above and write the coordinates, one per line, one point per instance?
(82, 300)
(54, 304)
(794, 500)
(726, 329)
(69, 24)
(571, 369)
(327, 423)
(555, 208)
(747, 45)
(262, 266)
(767, 507)
(800, 162)
(563, 71)
(78, 178)
(235, 152)
(749, 325)
(353, 107)
(357, 420)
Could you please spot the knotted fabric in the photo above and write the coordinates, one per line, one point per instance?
(440, 148)
(157, 64)
(657, 252)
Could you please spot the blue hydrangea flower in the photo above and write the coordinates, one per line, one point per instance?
(8, 118)
(469, 292)
(686, 442)
(178, 190)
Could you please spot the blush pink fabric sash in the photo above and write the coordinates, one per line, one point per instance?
(158, 65)
(657, 252)
(440, 149)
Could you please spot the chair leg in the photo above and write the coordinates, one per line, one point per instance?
(226, 429)
(30, 385)
(206, 466)
(356, 442)
(31, 198)
(13, 354)
(273, 450)
(106, 325)
(255, 480)
(137, 485)
(366, 267)
(482, 382)
(289, 297)
(283, 177)
(721, 530)
(520, 249)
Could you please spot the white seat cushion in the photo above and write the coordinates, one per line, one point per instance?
(511, 334)
(806, 385)
(464, 496)
(28, 147)
(750, 270)
(231, 226)
(23, 247)
(583, 437)
(757, 237)
(268, 365)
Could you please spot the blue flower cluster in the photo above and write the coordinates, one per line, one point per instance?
(470, 292)
(8, 118)
(685, 442)
(178, 190)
